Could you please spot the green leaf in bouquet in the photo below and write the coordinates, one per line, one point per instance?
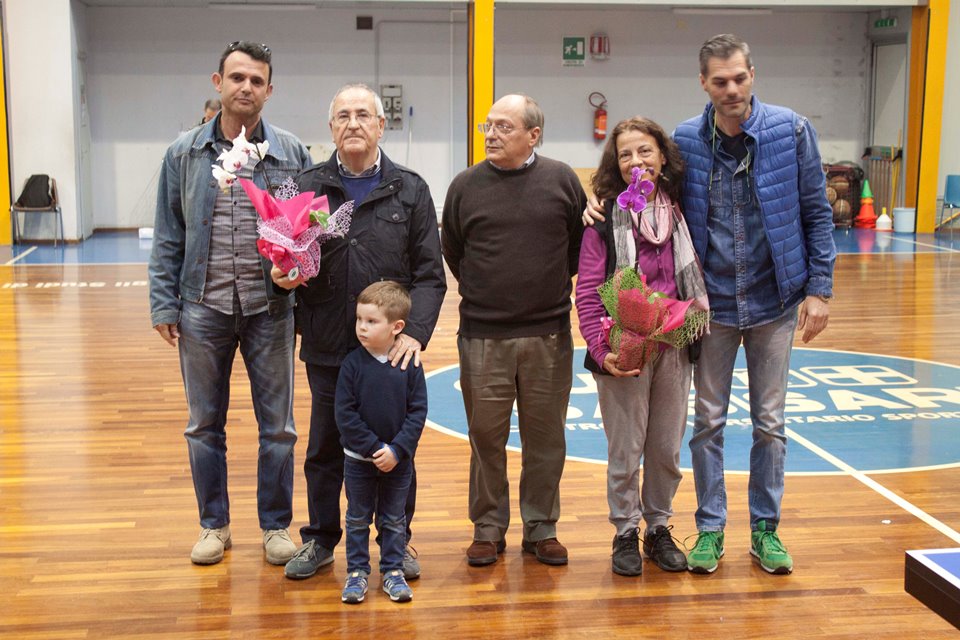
(626, 278)
(319, 217)
(694, 324)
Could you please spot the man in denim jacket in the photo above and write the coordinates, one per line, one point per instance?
(755, 203)
(210, 292)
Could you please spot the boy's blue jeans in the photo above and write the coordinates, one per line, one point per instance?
(370, 491)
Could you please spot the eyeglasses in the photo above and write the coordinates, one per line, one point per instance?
(235, 45)
(363, 117)
(502, 129)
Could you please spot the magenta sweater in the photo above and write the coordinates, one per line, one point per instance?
(656, 263)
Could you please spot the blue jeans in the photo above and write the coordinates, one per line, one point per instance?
(767, 349)
(323, 464)
(370, 490)
(208, 344)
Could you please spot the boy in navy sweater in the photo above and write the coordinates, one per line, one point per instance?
(380, 412)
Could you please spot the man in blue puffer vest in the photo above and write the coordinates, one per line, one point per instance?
(755, 203)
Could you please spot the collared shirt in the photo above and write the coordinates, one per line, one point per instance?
(235, 282)
(369, 171)
(739, 271)
(527, 163)
(255, 135)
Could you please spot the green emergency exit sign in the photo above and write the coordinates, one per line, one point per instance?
(574, 51)
(885, 23)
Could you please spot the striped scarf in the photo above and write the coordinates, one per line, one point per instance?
(687, 271)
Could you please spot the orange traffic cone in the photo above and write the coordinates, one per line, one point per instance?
(867, 218)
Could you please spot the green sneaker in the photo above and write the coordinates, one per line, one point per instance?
(766, 547)
(706, 553)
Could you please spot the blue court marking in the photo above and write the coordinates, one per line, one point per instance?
(116, 247)
(875, 413)
(870, 241)
(103, 247)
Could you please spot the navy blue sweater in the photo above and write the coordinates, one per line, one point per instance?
(377, 404)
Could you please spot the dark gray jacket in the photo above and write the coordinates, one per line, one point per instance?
(393, 236)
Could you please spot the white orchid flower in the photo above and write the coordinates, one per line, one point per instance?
(236, 158)
(241, 145)
(233, 160)
(224, 178)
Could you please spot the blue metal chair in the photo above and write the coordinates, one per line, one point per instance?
(951, 201)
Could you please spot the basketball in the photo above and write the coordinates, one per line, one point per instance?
(841, 209)
(831, 195)
(840, 185)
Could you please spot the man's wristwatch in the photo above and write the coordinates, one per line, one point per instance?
(824, 298)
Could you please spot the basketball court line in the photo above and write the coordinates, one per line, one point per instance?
(71, 264)
(876, 486)
(932, 246)
(844, 468)
(21, 256)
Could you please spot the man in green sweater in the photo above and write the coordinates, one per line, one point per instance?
(511, 237)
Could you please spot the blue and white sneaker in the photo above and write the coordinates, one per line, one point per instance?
(395, 586)
(355, 588)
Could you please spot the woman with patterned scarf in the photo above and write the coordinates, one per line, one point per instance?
(644, 411)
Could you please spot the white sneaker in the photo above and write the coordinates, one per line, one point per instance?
(278, 546)
(209, 548)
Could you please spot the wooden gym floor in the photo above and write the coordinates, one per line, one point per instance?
(97, 514)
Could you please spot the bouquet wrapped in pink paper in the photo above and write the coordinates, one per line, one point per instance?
(291, 231)
(292, 225)
(641, 318)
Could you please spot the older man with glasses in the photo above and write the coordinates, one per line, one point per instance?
(511, 237)
(211, 292)
(393, 236)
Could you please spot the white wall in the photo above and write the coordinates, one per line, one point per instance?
(39, 65)
(149, 74)
(814, 62)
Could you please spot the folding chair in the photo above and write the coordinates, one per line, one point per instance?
(39, 195)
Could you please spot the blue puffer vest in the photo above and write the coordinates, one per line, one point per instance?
(776, 170)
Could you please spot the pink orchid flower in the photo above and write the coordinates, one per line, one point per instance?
(634, 198)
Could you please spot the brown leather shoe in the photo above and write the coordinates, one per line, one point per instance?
(484, 552)
(548, 551)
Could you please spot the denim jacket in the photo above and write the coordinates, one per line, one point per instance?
(185, 199)
(787, 181)
(738, 267)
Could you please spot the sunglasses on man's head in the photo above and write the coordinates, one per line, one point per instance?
(233, 46)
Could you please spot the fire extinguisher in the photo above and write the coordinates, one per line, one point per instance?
(599, 102)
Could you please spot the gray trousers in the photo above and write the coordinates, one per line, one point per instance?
(535, 372)
(644, 419)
